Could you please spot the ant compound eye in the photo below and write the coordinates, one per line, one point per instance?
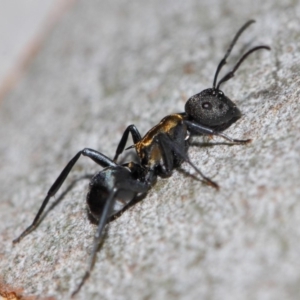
(221, 106)
(206, 105)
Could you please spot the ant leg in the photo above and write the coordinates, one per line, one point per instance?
(200, 129)
(169, 145)
(135, 136)
(96, 156)
(167, 155)
(128, 184)
(144, 175)
(98, 237)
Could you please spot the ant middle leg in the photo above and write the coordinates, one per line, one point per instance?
(96, 156)
(168, 146)
(135, 136)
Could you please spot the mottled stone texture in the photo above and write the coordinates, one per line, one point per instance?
(109, 64)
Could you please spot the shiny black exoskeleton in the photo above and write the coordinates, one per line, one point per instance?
(213, 109)
(164, 147)
(111, 190)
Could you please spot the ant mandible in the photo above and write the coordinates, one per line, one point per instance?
(164, 147)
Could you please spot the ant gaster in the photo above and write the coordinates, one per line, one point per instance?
(111, 191)
(210, 112)
(161, 150)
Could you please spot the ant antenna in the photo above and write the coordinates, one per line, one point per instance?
(231, 73)
(223, 61)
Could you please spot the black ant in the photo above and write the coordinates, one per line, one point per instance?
(164, 147)
(161, 150)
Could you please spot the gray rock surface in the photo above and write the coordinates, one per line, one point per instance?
(109, 64)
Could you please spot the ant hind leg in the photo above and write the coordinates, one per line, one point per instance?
(110, 201)
(96, 156)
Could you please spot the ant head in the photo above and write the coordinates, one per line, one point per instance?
(213, 109)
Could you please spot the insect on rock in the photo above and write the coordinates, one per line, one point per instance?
(160, 151)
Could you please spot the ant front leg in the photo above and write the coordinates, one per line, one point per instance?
(168, 146)
(135, 136)
(96, 156)
(200, 129)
